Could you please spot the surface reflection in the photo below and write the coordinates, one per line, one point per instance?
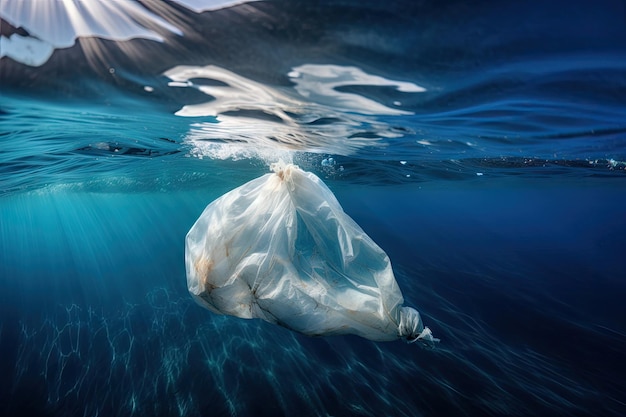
(314, 115)
(320, 83)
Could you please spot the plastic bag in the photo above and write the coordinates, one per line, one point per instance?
(281, 248)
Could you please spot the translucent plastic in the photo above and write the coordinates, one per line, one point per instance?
(281, 248)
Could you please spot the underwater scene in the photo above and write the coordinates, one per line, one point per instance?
(481, 145)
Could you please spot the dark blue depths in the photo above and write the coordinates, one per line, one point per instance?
(521, 282)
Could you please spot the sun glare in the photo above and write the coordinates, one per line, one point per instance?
(58, 24)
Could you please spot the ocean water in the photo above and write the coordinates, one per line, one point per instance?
(481, 144)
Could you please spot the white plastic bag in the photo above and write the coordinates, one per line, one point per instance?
(280, 248)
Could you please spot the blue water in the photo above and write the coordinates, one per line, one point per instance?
(481, 145)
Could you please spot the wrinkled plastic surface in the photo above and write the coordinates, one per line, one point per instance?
(281, 248)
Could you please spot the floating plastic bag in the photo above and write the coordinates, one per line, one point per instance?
(280, 248)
